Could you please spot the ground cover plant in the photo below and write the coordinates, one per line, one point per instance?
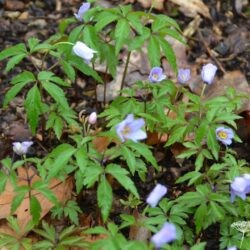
(114, 153)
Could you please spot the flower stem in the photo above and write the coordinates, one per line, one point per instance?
(125, 71)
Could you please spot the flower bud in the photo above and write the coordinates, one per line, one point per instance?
(154, 197)
(83, 51)
(92, 118)
(208, 72)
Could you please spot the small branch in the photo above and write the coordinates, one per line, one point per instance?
(210, 52)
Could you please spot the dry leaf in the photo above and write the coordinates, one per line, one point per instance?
(62, 191)
(191, 8)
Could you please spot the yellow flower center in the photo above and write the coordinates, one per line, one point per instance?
(126, 130)
(222, 134)
(155, 76)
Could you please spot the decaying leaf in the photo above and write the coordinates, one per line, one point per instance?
(191, 8)
(62, 191)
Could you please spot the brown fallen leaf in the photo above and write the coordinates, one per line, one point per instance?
(62, 190)
(191, 8)
(158, 4)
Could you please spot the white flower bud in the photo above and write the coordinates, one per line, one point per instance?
(92, 118)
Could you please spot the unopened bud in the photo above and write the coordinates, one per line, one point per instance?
(92, 118)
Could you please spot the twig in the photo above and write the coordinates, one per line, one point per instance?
(210, 52)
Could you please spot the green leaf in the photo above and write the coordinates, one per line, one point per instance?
(135, 21)
(112, 61)
(35, 209)
(199, 216)
(3, 180)
(154, 52)
(19, 82)
(62, 155)
(69, 70)
(176, 136)
(91, 174)
(32, 43)
(105, 18)
(121, 176)
(129, 158)
(33, 108)
(12, 51)
(17, 200)
(144, 151)
(81, 159)
(91, 37)
(43, 188)
(169, 53)
(104, 197)
(122, 31)
(138, 41)
(58, 127)
(191, 176)
(14, 61)
(212, 142)
(56, 93)
(199, 246)
(12, 92)
(85, 68)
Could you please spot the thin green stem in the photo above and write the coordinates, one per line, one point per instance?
(242, 238)
(201, 96)
(125, 71)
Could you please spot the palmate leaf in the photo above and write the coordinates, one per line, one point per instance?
(121, 176)
(104, 197)
(144, 151)
(33, 106)
(61, 155)
(104, 18)
(122, 31)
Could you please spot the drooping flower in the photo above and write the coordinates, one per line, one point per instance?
(130, 128)
(208, 72)
(232, 248)
(165, 235)
(83, 51)
(156, 194)
(81, 11)
(21, 148)
(156, 75)
(240, 187)
(92, 118)
(225, 135)
(183, 75)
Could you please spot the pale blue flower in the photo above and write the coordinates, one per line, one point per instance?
(208, 72)
(21, 148)
(240, 187)
(165, 235)
(232, 248)
(156, 75)
(130, 128)
(85, 7)
(184, 75)
(156, 194)
(225, 135)
(83, 51)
